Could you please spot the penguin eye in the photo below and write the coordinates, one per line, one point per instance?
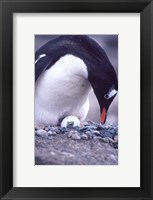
(106, 96)
(110, 94)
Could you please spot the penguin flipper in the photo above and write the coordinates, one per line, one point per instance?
(41, 64)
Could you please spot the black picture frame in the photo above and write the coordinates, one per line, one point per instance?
(7, 8)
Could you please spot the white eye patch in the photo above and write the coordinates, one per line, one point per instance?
(41, 56)
(110, 94)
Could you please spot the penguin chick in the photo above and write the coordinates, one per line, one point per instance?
(70, 120)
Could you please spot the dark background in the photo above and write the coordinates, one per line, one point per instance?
(110, 44)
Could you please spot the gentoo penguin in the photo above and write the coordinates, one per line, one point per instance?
(66, 68)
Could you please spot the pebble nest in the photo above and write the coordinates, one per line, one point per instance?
(91, 143)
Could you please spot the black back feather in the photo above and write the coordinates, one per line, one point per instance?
(81, 46)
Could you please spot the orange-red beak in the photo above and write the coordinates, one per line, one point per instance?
(103, 115)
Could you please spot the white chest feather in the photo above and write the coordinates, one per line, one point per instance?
(62, 90)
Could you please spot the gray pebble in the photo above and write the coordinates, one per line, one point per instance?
(54, 133)
(106, 133)
(115, 145)
(84, 128)
(96, 133)
(46, 129)
(76, 128)
(88, 130)
(84, 137)
(75, 136)
(89, 134)
(49, 133)
(42, 133)
(116, 138)
(93, 127)
(112, 130)
(63, 130)
(116, 130)
(96, 137)
(75, 132)
(100, 127)
(55, 129)
(111, 140)
(70, 133)
(113, 157)
(107, 140)
(85, 123)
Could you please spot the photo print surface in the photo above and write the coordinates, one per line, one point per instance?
(76, 99)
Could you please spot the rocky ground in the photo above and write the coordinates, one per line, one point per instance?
(90, 144)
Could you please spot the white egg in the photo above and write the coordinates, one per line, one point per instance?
(70, 119)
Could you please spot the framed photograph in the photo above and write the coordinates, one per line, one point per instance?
(76, 99)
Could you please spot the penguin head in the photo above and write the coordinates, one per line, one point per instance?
(103, 79)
